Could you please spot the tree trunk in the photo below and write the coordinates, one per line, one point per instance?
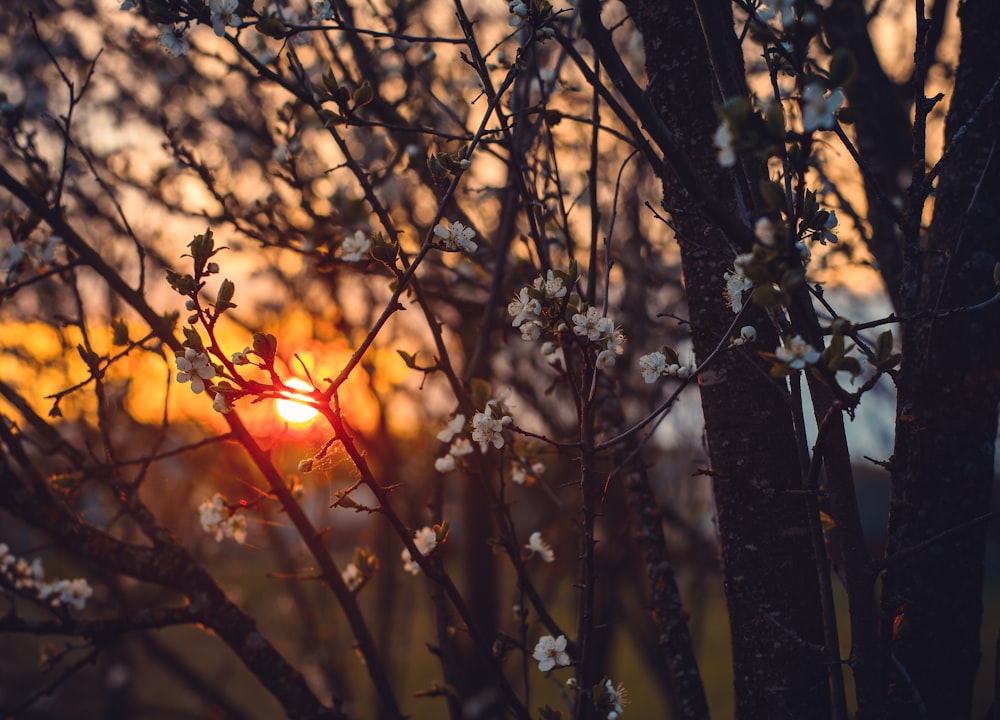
(947, 417)
(770, 570)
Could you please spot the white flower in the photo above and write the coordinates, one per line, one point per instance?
(549, 348)
(736, 284)
(652, 366)
(453, 428)
(797, 353)
(487, 429)
(550, 652)
(355, 247)
(615, 698)
(425, 540)
(456, 236)
(240, 358)
(531, 331)
(518, 474)
(224, 15)
(783, 10)
(817, 109)
(605, 359)
(460, 447)
(537, 545)
(524, 308)
(195, 368)
(765, 230)
(173, 40)
(408, 564)
(748, 334)
(220, 404)
(351, 577)
(552, 285)
(128, 4)
(236, 527)
(445, 463)
(828, 234)
(216, 520)
(591, 324)
(723, 140)
(66, 592)
(323, 10)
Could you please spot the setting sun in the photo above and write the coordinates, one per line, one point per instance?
(293, 410)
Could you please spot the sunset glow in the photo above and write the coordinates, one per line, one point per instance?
(293, 410)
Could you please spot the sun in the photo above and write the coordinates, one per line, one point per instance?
(293, 410)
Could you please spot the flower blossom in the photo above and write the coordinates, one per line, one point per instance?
(67, 592)
(723, 140)
(453, 428)
(736, 284)
(797, 353)
(652, 366)
(216, 519)
(224, 15)
(551, 285)
(27, 577)
(828, 235)
(323, 10)
(195, 368)
(456, 236)
(765, 229)
(426, 540)
(748, 334)
(592, 324)
(550, 652)
(487, 428)
(173, 40)
(355, 247)
(524, 308)
(221, 404)
(818, 109)
(783, 10)
(351, 577)
(538, 546)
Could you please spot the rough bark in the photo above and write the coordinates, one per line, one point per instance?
(947, 418)
(770, 572)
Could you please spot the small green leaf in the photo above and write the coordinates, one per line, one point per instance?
(265, 346)
(410, 360)
(192, 339)
(364, 94)
(480, 392)
(271, 26)
(883, 346)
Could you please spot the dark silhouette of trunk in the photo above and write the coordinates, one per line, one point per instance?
(770, 570)
(947, 415)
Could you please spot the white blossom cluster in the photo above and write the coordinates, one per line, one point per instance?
(30, 254)
(599, 328)
(736, 284)
(529, 305)
(538, 546)
(458, 446)
(216, 519)
(519, 474)
(352, 577)
(488, 425)
(654, 365)
(455, 236)
(797, 353)
(426, 540)
(19, 574)
(355, 247)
